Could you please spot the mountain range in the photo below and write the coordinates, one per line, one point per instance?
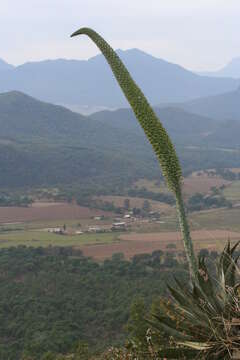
(4, 66)
(220, 107)
(91, 83)
(45, 144)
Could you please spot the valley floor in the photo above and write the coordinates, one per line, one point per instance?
(59, 224)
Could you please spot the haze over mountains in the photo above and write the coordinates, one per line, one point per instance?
(232, 69)
(91, 83)
(220, 107)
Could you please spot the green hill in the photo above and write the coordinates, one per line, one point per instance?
(45, 144)
(48, 144)
(220, 107)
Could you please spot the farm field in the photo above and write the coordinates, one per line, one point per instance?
(118, 201)
(232, 192)
(132, 244)
(202, 183)
(227, 219)
(43, 238)
(235, 170)
(30, 227)
(46, 212)
(197, 182)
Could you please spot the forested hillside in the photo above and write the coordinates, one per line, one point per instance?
(54, 298)
(44, 144)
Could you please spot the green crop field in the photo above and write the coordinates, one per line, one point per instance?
(232, 192)
(43, 238)
(227, 219)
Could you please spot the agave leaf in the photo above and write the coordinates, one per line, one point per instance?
(177, 322)
(169, 330)
(231, 272)
(226, 257)
(232, 250)
(226, 270)
(186, 303)
(208, 290)
(193, 300)
(195, 345)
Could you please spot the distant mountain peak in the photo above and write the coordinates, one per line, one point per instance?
(15, 95)
(5, 66)
(134, 51)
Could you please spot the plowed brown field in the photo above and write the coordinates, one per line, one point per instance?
(202, 184)
(45, 212)
(132, 244)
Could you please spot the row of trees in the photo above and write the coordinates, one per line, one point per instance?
(15, 200)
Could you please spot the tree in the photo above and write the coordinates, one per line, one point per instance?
(137, 326)
(126, 204)
(146, 206)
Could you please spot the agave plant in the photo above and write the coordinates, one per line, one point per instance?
(155, 133)
(203, 321)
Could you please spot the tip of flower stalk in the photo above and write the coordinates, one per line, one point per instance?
(78, 32)
(74, 34)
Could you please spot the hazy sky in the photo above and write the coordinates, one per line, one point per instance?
(198, 34)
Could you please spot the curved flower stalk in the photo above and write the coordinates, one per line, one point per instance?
(155, 133)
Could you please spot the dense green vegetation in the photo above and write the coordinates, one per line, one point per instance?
(146, 194)
(43, 145)
(8, 199)
(200, 202)
(53, 298)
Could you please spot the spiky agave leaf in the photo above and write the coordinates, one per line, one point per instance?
(155, 133)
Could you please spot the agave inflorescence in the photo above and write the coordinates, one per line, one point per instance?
(155, 133)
